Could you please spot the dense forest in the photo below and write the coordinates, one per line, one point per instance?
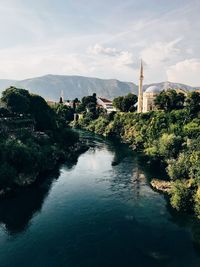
(34, 138)
(170, 135)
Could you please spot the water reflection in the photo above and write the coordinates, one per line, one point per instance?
(126, 181)
(17, 211)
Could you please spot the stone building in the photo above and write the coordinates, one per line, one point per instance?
(146, 99)
(106, 104)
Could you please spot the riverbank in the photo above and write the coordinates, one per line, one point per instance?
(97, 214)
(34, 139)
(29, 156)
(172, 138)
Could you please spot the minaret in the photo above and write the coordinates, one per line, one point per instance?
(140, 90)
(61, 101)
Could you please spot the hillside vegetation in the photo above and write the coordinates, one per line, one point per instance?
(171, 137)
(34, 138)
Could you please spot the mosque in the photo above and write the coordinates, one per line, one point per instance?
(146, 99)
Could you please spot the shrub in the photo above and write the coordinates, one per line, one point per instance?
(181, 196)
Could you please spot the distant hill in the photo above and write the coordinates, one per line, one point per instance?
(6, 83)
(166, 85)
(50, 86)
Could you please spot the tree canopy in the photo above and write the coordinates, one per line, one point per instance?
(20, 101)
(193, 103)
(169, 100)
(16, 100)
(125, 103)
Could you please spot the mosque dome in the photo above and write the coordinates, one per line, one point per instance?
(153, 89)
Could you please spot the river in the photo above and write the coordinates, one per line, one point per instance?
(99, 211)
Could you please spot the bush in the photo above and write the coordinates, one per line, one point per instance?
(197, 203)
(181, 196)
(179, 168)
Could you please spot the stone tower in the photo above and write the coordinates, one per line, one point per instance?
(61, 101)
(140, 90)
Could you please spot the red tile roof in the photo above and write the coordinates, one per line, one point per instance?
(105, 100)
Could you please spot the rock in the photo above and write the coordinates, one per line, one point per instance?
(161, 185)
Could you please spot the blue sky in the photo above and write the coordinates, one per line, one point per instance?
(103, 39)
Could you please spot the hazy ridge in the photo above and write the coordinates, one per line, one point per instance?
(50, 86)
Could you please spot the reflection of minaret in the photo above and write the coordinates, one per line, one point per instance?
(140, 90)
(137, 183)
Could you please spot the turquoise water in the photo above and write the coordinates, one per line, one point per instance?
(99, 212)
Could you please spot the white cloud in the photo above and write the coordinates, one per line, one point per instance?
(40, 38)
(187, 71)
(113, 56)
(98, 49)
(160, 52)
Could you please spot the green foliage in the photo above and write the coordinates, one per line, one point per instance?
(43, 115)
(169, 145)
(125, 103)
(169, 100)
(192, 129)
(179, 168)
(64, 113)
(181, 196)
(19, 101)
(118, 103)
(80, 108)
(16, 100)
(172, 137)
(99, 125)
(88, 103)
(197, 203)
(193, 103)
(24, 154)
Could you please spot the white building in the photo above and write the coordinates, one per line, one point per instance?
(146, 99)
(149, 97)
(106, 104)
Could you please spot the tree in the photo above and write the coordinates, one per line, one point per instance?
(16, 100)
(88, 103)
(42, 113)
(179, 168)
(80, 108)
(75, 103)
(125, 103)
(129, 102)
(169, 145)
(169, 100)
(193, 103)
(118, 102)
(181, 196)
(4, 112)
(64, 113)
(89, 99)
(197, 203)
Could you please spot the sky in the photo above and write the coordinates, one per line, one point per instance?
(101, 38)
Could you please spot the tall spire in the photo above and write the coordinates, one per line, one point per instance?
(141, 70)
(61, 101)
(140, 89)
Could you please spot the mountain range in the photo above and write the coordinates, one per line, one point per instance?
(50, 86)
